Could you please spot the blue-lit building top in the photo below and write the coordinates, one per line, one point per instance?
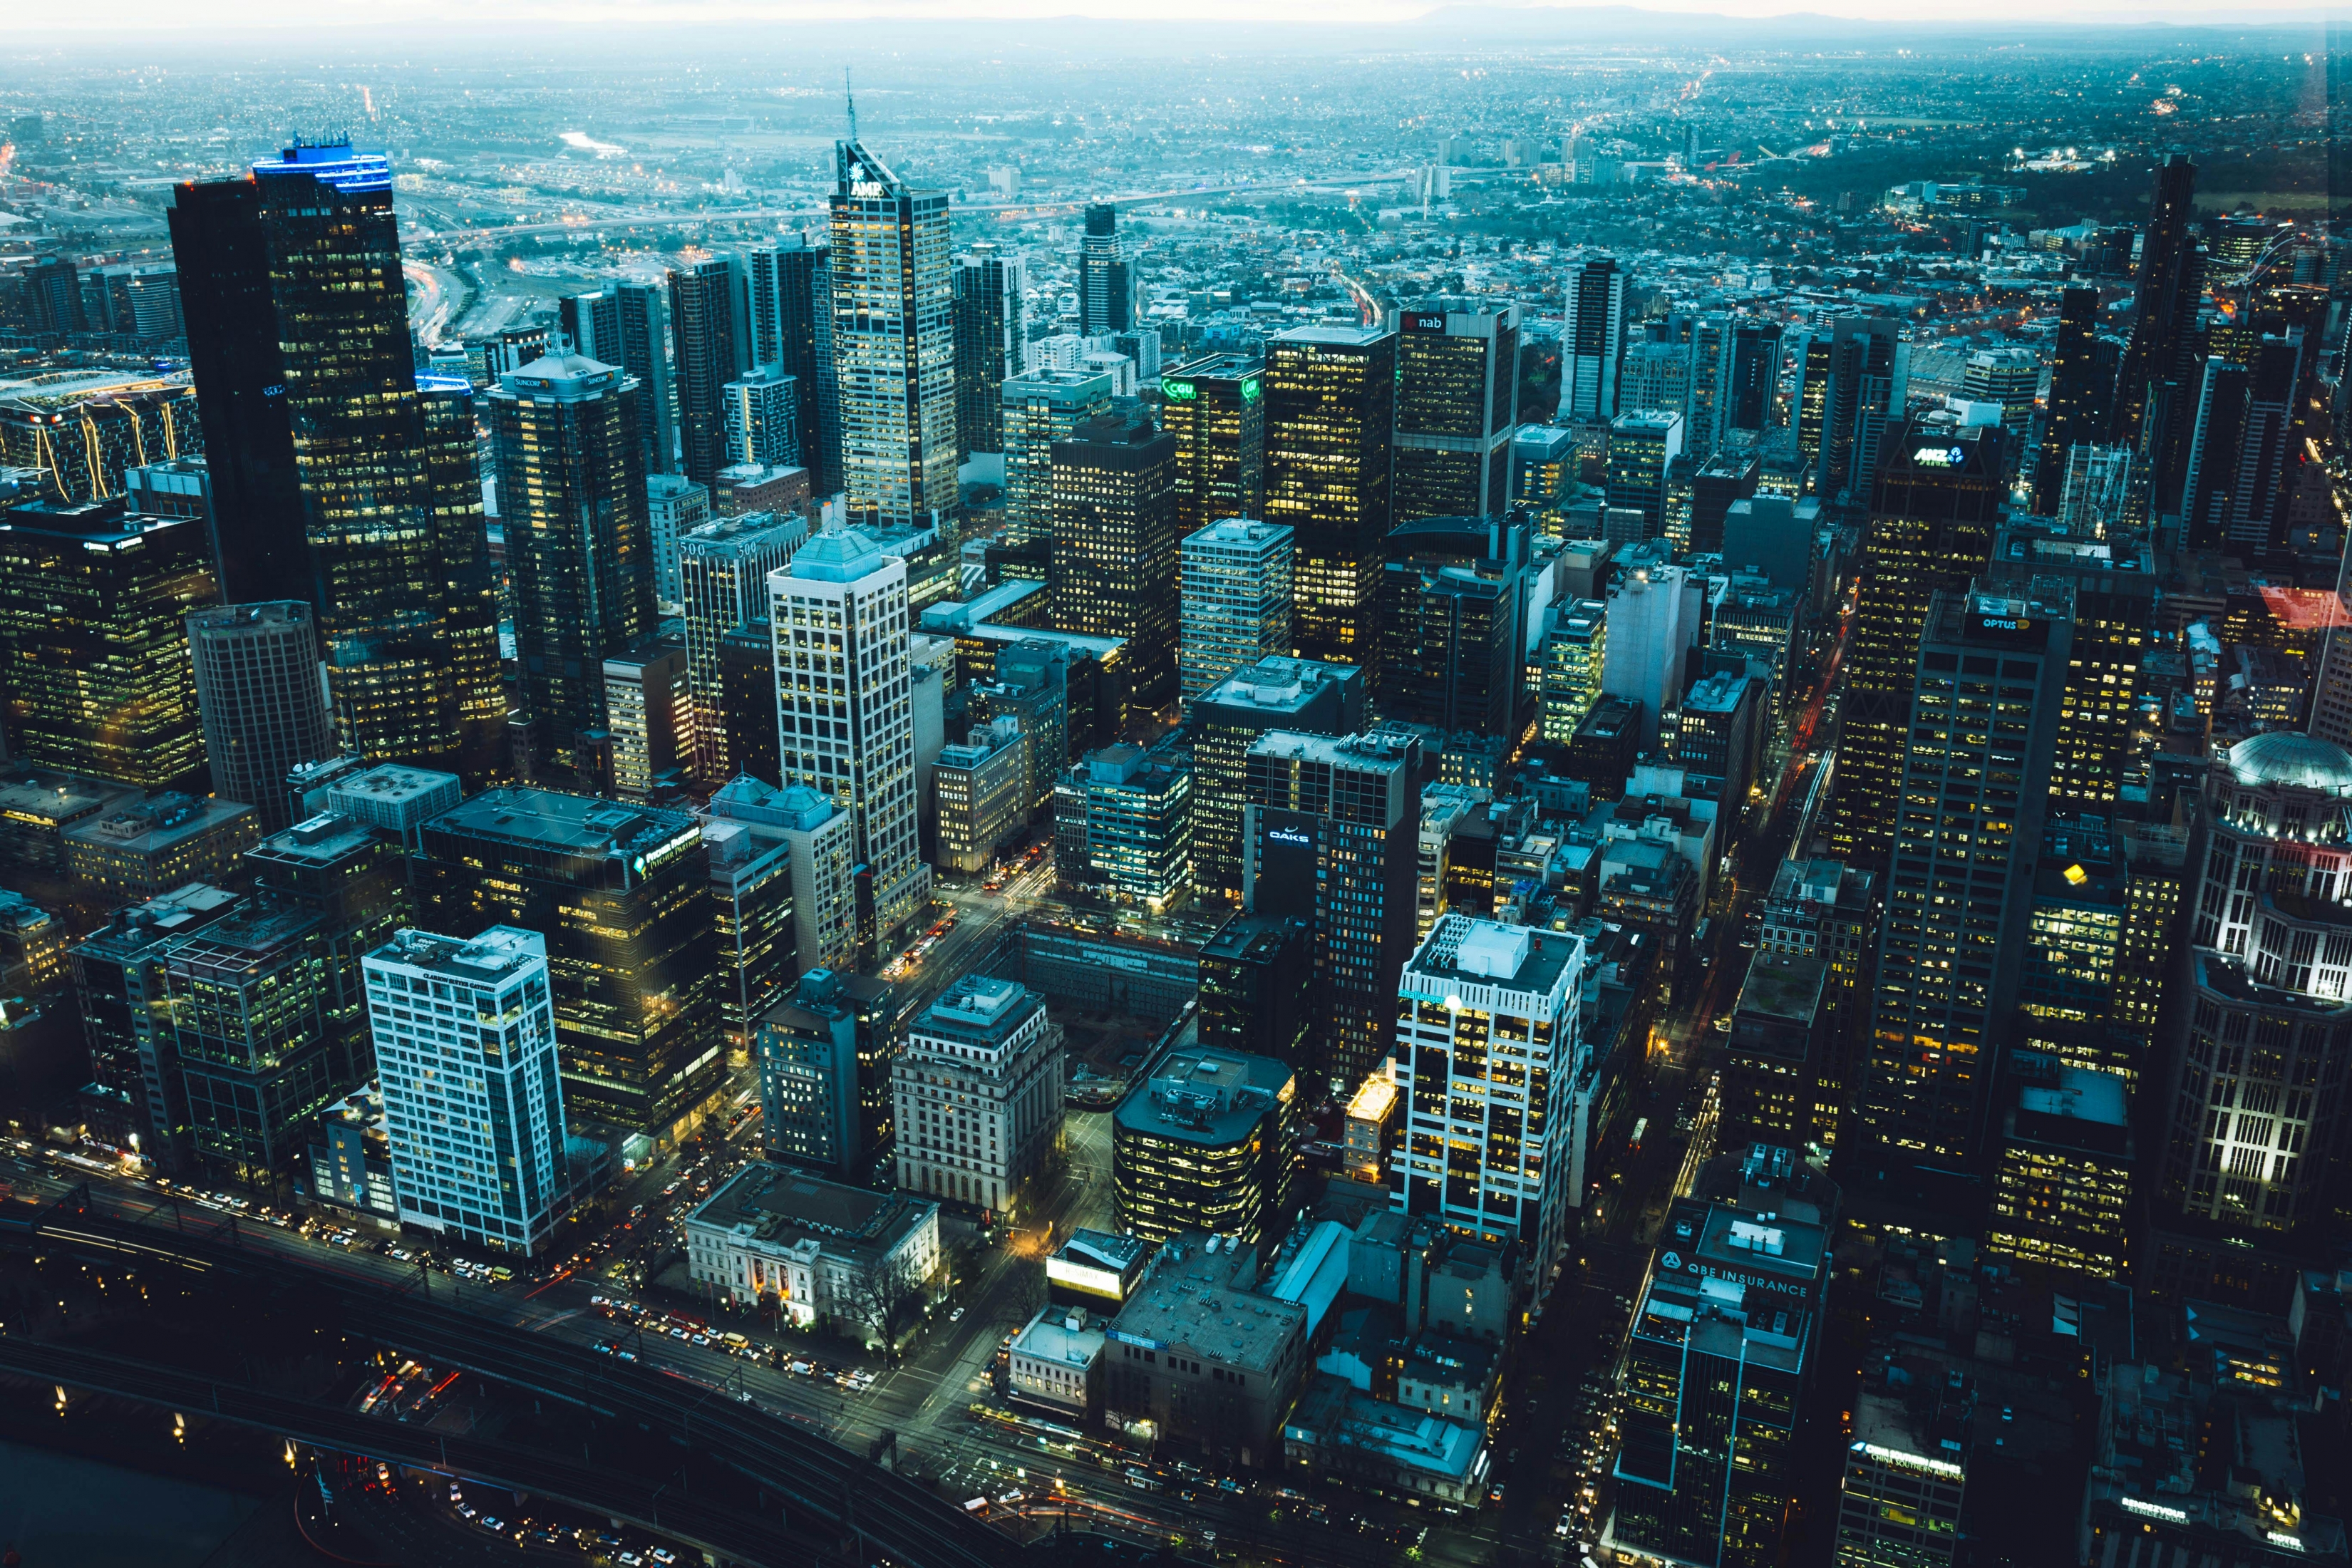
(336, 164)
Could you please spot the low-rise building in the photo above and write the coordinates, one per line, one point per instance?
(1096, 1270)
(1198, 1358)
(1339, 1432)
(1052, 1364)
(144, 850)
(1209, 1141)
(816, 1249)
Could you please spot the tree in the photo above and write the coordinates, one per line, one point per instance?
(887, 1298)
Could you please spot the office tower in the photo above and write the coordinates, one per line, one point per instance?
(1727, 478)
(1235, 579)
(2079, 398)
(751, 894)
(1752, 380)
(577, 539)
(1036, 410)
(1975, 787)
(2239, 455)
(1655, 374)
(645, 353)
(2170, 290)
(762, 419)
(117, 980)
(1722, 1344)
(1543, 469)
(395, 801)
(1300, 696)
(1810, 407)
(709, 347)
(262, 702)
(978, 1094)
(1258, 989)
(1778, 1052)
(1868, 380)
(648, 739)
(1905, 1474)
(223, 250)
(1123, 827)
(806, 1048)
(1496, 1080)
(1330, 410)
(1575, 651)
(1938, 499)
(1328, 827)
(1215, 408)
(821, 841)
(1820, 909)
(2249, 1151)
(1106, 276)
(1719, 730)
(1652, 619)
(589, 324)
(352, 878)
(473, 1105)
(790, 282)
(1773, 537)
(844, 721)
(1705, 413)
(1642, 448)
(2010, 378)
(470, 605)
(1453, 624)
(133, 850)
(894, 341)
(1115, 551)
(1210, 1140)
(2114, 621)
(675, 507)
(1458, 402)
(93, 624)
(723, 568)
(980, 792)
(621, 894)
(2104, 492)
(2064, 1179)
(1593, 341)
(991, 343)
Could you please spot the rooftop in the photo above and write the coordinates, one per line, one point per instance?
(1201, 1299)
(1462, 951)
(980, 1010)
(1206, 1096)
(320, 840)
(156, 821)
(495, 956)
(569, 824)
(785, 1208)
(1784, 985)
(1279, 686)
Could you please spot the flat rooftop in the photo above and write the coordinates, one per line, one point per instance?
(1279, 686)
(979, 1009)
(784, 1207)
(1206, 1096)
(1190, 1301)
(491, 958)
(1784, 985)
(1461, 950)
(571, 824)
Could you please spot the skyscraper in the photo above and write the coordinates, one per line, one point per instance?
(1330, 403)
(762, 418)
(1869, 374)
(1642, 447)
(1105, 276)
(894, 341)
(645, 354)
(1457, 408)
(709, 346)
(1453, 624)
(1938, 496)
(1299, 696)
(577, 539)
(844, 719)
(1592, 340)
(248, 1010)
(790, 285)
(1034, 411)
(1754, 379)
(93, 613)
(2233, 486)
(723, 568)
(1975, 789)
(2171, 287)
(992, 341)
(2079, 403)
(471, 612)
(1235, 578)
(1115, 548)
(1215, 408)
(263, 705)
(622, 895)
(2115, 621)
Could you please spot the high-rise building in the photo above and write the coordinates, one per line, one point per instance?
(1036, 410)
(1300, 696)
(1453, 624)
(577, 540)
(622, 895)
(2114, 621)
(1868, 376)
(844, 720)
(675, 507)
(1210, 1140)
(1753, 380)
(1641, 450)
(1722, 1345)
(351, 877)
(991, 343)
(1115, 547)
(1258, 989)
(2062, 1182)
(473, 1105)
(649, 717)
(2009, 379)
(1132, 841)
(1215, 408)
(751, 895)
(762, 409)
(1593, 341)
(1329, 832)
(1705, 411)
(1717, 485)
(1497, 1079)
(979, 1094)
(1575, 652)
(1106, 276)
(643, 313)
(1235, 579)
(709, 346)
(1974, 788)
(980, 791)
(2080, 398)
(806, 1048)
(1653, 623)
(723, 570)
(471, 607)
(118, 979)
(791, 285)
(2172, 289)
(1457, 408)
(821, 843)
(1939, 497)
(93, 627)
(2232, 481)
(2243, 1079)
(894, 341)
(1330, 410)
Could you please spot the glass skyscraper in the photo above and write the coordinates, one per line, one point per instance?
(1215, 408)
(893, 341)
(1456, 407)
(1331, 395)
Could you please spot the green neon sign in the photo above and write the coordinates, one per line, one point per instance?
(1181, 391)
(1250, 393)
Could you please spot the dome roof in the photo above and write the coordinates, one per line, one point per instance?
(2287, 757)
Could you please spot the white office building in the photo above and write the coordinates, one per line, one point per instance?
(1653, 616)
(845, 711)
(978, 1093)
(473, 1104)
(1235, 582)
(675, 507)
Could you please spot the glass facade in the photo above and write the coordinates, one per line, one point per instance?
(1456, 407)
(1115, 554)
(1215, 408)
(1331, 408)
(893, 341)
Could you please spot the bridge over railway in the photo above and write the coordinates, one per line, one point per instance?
(815, 1500)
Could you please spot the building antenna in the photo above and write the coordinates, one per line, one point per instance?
(851, 98)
